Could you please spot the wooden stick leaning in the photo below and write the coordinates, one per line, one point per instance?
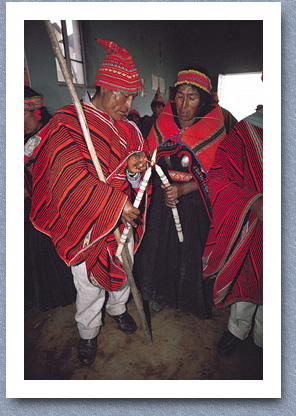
(126, 258)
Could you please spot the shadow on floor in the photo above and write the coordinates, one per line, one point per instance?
(184, 348)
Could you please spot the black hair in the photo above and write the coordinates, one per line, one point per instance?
(45, 116)
(29, 92)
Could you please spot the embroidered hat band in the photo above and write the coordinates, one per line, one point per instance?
(196, 78)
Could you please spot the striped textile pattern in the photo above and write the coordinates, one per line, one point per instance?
(33, 103)
(70, 203)
(202, 137)
(233, 254)
(117, 72)
(199, 142)
(28, 182)
(196, 78)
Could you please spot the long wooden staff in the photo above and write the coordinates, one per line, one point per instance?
(126, 259)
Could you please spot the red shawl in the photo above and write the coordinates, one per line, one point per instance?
(202, 137)
(233, 254)
(70, 203)
(199, 142)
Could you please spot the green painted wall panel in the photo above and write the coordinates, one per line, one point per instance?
(161, 48)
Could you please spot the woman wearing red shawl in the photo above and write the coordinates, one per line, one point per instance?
(186, 136)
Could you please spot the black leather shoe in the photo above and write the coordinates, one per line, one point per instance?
(87, 350)
(125, 323)
(228, 344)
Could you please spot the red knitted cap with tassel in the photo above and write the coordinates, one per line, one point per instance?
(117, 72)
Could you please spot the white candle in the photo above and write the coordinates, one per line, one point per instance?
(143, 187)
(166, 183)
(136, 204)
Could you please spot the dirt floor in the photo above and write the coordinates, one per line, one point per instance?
(183, 348)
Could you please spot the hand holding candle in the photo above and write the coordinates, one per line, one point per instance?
(136, 204)
(138, 200)
(175, 212)
(137, 162)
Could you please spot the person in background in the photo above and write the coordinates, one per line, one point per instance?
(186, 136)
(48, 281)
(233, 257)
(134, 116)
(147, 122)
(79, 211)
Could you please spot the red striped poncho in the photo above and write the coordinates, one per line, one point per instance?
(202, 137)
(233, 255)
(70, 203)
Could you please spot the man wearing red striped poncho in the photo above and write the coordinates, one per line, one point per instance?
(234, 252)
(78, 211)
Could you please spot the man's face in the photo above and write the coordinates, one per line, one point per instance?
(157, 109)
(115, 103)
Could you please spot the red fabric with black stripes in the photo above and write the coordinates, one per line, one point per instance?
(70, 203)
(202, 137)
(233, 253)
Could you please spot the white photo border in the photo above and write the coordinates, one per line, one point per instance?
(270, 386)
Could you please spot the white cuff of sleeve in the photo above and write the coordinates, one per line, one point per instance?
(134, 179)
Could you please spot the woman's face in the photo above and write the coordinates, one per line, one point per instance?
(30, 122)
(188, 104)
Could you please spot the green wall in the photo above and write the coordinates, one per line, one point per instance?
(161, 48)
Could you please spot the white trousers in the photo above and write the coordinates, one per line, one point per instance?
(90, 299)
(241, 319)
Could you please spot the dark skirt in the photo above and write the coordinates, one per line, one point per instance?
(48, 280)
(169, 271)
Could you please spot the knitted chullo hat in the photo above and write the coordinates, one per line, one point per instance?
(158, 98)
(117, 72)
(196, 78)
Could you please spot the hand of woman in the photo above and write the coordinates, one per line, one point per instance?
(175, 190)
(172, 193)
(129, 214)
(137, 162)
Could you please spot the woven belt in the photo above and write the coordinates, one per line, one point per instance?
(180, 176)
